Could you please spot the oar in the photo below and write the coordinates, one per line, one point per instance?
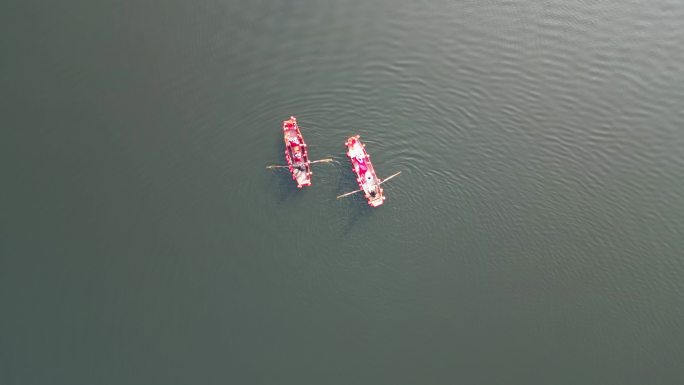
(326, 160)
(389, 177)
(383, 181)
(349, 193)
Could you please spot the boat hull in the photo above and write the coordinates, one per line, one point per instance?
(296, 153)
(365, 173)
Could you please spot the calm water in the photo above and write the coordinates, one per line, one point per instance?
(535, 235)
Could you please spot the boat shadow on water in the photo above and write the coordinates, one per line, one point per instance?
(359, 210)
(356, 206)
(285, 186)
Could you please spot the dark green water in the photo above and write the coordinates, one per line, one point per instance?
(535, 235)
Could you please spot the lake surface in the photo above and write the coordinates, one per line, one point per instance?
(535, 235)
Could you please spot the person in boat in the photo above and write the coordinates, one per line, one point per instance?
(361, 162)
(298, 163)
(373, 190)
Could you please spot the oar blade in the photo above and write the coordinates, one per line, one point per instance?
(390, 177)
(326, 160)
(349, 193)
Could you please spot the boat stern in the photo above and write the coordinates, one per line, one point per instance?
(290, 124)
(375, 202)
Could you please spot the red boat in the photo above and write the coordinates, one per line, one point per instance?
(368, 181)
(296, 154)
